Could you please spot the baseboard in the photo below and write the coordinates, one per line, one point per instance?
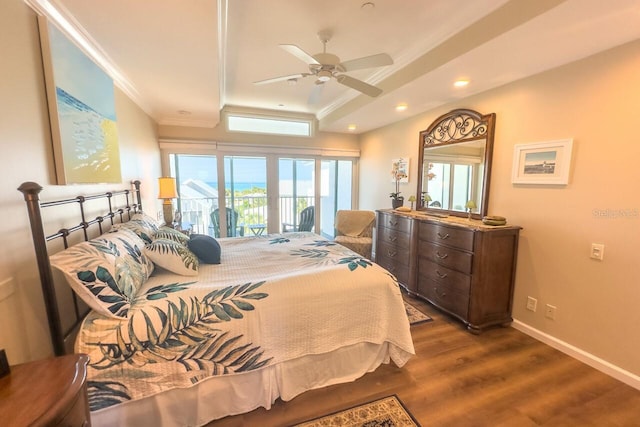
(588, 358)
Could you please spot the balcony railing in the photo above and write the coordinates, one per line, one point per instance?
(252, 212)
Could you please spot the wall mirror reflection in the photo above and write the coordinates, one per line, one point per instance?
(455, 164)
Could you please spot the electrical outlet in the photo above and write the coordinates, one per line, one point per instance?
(532, 304)
(597, 251)
(550, 311)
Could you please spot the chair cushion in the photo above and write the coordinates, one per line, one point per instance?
(206, 248)
(361, 245)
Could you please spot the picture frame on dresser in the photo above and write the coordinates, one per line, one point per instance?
(542, 163)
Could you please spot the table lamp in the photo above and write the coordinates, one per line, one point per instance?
(426, 198)
(412, 199)
(167, 192)
(470, 205)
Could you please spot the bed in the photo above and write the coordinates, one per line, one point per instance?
(175, 341)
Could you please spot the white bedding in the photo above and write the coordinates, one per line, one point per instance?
(272, 320)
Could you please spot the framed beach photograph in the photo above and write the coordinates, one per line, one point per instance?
(542, 163)
(82, 111)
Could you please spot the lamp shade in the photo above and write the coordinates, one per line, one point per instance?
(167, 188)
(471, 205)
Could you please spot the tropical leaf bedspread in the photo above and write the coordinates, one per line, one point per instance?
(273, 298)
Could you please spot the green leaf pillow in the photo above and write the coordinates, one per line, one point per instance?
(106, 272)
(169, 233)
(173, 256)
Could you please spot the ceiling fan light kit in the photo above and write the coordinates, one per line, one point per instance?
(325, 66)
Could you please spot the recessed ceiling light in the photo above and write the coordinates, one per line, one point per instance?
(402, 106)
(352, 127)
(461, 83)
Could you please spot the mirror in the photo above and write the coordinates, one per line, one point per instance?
(455, 164)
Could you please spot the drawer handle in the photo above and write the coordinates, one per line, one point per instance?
(393, 238)
(440, 275)
(443, 237)
(441, 256)
(440, 294)
(392, 222)
(391, 253)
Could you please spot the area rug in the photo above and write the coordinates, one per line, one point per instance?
(386, 412)
(415, 316)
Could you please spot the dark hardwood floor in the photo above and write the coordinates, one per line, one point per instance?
(499, 378)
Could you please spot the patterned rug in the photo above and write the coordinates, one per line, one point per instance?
(415, 316)
(386, 412)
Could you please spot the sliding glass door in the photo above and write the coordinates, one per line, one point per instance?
(246, 195)
(197, 184)
(297, 186)
(245, 188)
(336, 192)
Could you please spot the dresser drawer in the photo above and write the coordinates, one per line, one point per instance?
(446, 256)
(400, 271)
(397, 254)
(395, 222)
(444, 297)
(393, 237)
(449, 236)
(429, 272)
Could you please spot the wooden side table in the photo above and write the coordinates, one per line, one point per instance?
(48, 392)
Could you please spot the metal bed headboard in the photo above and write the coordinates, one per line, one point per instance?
(117, 212)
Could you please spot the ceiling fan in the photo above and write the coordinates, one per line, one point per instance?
(325, 66)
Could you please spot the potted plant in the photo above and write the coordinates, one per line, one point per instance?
(396, 199)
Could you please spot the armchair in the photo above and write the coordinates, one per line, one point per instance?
(354, 229)
(307, 220)
(233, 228)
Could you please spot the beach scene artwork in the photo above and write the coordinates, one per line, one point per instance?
(82, 110)
(543, 162)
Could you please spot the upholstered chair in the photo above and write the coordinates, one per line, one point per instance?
(354, 229)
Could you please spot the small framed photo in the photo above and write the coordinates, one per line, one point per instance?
(546, 163)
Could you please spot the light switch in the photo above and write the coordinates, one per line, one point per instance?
(597, 251)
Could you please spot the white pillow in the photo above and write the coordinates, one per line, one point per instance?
(106, 272)
(173, 256)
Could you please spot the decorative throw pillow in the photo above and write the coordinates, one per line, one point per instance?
(141, 228)
(169, 233)
(106, 272)
(173, 256)
(206, 248)
(150, 221)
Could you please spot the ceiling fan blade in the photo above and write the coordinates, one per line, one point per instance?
(316, 93)
(282, 78)
(299, 53)
(367, 62)
(359, 85)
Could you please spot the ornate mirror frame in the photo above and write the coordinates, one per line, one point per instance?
(458, 126)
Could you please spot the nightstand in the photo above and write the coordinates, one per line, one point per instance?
(48, 392)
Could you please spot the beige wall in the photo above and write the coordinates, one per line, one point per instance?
(27, 156)
(596, 102)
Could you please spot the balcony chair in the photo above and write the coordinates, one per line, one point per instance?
(233, 228)
(354, 229)
(307, 220)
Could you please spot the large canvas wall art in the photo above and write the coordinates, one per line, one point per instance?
(82, 112)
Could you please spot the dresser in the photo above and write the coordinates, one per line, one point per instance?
(461, 266)
(48, 392)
